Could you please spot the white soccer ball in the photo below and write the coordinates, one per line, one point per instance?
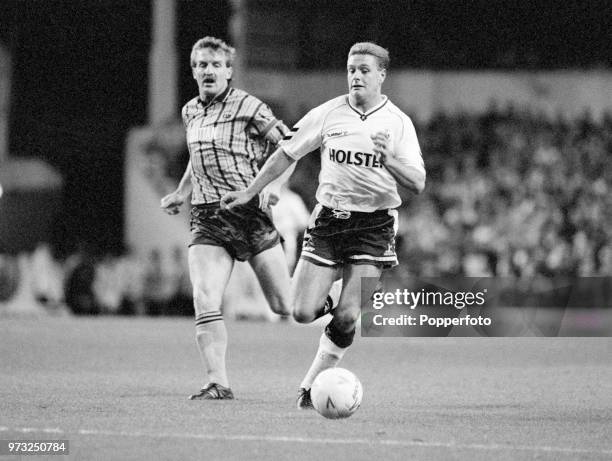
(336, 393)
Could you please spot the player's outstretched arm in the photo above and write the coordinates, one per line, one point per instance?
(172, 202)
(270, 195)
(278, 162)
(410, 177)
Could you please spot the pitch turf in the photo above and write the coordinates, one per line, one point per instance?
(117, 387)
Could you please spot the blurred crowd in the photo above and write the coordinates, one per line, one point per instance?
(512, 193)
(86, 283)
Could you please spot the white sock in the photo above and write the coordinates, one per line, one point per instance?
(328, 356)
(211, 337)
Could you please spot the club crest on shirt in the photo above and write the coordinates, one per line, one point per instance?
(227, 115)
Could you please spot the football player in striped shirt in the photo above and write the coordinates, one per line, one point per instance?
(368, 146)
(228, 132)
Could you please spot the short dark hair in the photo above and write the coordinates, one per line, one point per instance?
(380, 53)
(215, 44)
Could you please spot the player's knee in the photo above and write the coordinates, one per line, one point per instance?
(304, 310)
(280, 306)
(301, 316)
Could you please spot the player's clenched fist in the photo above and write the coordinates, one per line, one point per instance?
(382, 145)
(171, 203)
(234, 199)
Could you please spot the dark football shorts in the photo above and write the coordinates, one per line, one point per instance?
(336, 237)
(243, 231)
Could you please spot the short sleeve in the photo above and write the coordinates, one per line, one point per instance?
(267, 125)
(407, 148)
(305, 136)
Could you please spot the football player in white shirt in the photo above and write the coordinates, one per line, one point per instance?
(368, 146)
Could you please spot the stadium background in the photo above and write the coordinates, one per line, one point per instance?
(511, 102)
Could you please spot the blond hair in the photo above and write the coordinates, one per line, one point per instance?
(380, 53)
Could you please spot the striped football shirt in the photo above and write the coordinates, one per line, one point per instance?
(228, 140)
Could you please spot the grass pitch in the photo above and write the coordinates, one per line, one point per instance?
(116, 388)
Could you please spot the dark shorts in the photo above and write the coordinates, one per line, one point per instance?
(338, 237)
(243, 231)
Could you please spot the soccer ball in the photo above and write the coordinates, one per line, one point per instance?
(336, 393)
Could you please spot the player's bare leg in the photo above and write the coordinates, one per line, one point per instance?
(273, 275)
(309, 290)
(339, 333)
(210, 268)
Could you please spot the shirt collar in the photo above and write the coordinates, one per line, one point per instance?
(372, 110)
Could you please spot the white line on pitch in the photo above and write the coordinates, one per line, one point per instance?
(291, 439)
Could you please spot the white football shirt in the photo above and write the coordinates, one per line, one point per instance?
(352, 177)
